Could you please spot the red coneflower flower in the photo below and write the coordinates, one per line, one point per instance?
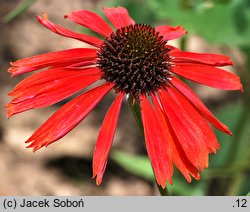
(135, 61)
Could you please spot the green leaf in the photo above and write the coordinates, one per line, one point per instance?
(238, 116)
(183, 188)
(229, 115)
(232, 161)
(218, 23)
(242, 150)
(138, 165)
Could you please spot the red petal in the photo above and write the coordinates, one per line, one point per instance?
(52, 74)
(210, 138)
(52, 59)
(156, 144)
(67, 117)
(49, 87)
(67, 33)
(90, 20)
(207, 59)
(183, 88)
(188, 126)
(178, 155)
(105, 139)
(119, 17)
(209, 76)
(170, 32)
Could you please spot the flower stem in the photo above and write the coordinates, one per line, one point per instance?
(136, 111)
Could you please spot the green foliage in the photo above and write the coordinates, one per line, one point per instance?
(232, 162)
(140, 166)
(230, 115)
(218, 21)
(235, 149)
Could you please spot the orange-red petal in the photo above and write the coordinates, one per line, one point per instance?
(206, 59)
(185, 90)
(170, 32)
(91, 20)
(70, 56)
(208, 75)
(49, 87)
(159, 153)
(105, 139)
(210, 139)
(187, 128)
(119, 16)
(68, 33)
(174, 148)
(67, 117)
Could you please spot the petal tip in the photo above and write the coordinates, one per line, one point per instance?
(162, 184)
(8, 115)
(181, 29)
(12, 71)
(31, 146)
(230, 62)
(45, 16)
(98, 180)
(241, 88)
(9, 111)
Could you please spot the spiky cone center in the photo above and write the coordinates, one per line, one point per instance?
(135, 58)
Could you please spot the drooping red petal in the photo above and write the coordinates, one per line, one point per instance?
(119, 16)
(67, 117)
(178, 155)
(91, 20)
(158, 151)
(170, 32)
(52, 59)
(52, 74)
(67, 33)
(187, 129)
(206, 59)
(49, 87)
(208, 75)
(210, 138)
(105, 139)
(183, 88)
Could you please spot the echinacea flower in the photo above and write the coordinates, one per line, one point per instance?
(135, 61)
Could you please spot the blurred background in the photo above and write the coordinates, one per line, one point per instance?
(64, 168)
